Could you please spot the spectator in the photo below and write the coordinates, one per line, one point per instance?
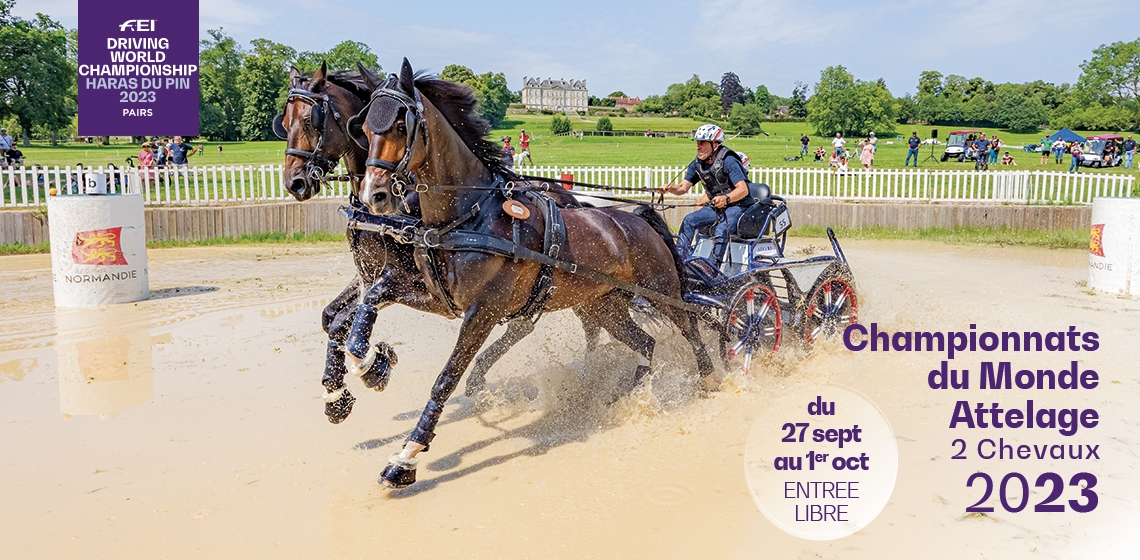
(843, 165)
(981, 152)
(874, 142)
(912, 145)
(1075, 162)
(146, 158)
(1129, 151)
(524, 146)
(868, 155)
(804, 141)
(995, 148)
(1008, 160)
(833, 162)
(508, 152)
(219, 149)
(179, 151)
(820, 153)
(1046, 147)
(161, 153)
(1058, 150)
(6, 142)
(838, 143)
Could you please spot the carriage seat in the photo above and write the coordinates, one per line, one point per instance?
(752, 220)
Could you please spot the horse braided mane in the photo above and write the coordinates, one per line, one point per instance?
(457, 104)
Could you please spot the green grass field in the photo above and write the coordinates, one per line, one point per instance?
(766, 151)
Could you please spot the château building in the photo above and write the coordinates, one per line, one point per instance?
(555, 95)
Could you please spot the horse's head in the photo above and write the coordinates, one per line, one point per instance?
(316, 133)
(393, 129)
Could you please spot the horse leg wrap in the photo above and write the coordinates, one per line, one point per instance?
(334, 367)
(381, 359)
(361, 332)
(424, 431)
(399, 472)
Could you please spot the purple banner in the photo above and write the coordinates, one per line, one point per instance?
(138, 77)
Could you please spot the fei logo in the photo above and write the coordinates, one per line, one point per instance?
(98, 247)
(1096, 240)
(137, 25)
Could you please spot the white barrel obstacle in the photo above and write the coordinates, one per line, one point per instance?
(98, 249)
(1114, 245)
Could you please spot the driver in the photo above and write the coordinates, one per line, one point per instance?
(721, 172)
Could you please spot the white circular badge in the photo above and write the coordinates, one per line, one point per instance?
(821, 462)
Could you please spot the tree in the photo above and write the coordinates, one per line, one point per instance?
(1021, 114)
(618, 93)
(604, 125)
(730, 92)
(490, 89)
(559, 124)
(1113, 73)
(264, 83)
(651, 104)
(341, 57)
(843, 104)
(798, 105)
(219, 70)
(764, 99)
(746, 119)
(37, 72)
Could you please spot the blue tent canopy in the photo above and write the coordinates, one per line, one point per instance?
(1067, 135)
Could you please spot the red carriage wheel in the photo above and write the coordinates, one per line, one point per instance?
(830, 308)
(753, 324)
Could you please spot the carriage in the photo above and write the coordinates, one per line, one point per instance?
(756, 294)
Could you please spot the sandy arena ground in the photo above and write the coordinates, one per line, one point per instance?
(192, 425)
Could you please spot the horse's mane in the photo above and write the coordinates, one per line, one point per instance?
(457, 104)
(350, 80)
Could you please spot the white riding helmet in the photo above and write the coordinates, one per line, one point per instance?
(744, 160)
(709, 133)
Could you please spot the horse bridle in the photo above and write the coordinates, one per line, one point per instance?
(413, 121)
(317, 164)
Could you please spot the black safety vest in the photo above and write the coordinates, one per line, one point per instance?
(714, 177)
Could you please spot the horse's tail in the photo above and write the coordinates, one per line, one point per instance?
(658, 224)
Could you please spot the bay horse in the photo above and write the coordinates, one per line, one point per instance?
(313, 124)
(424, 135)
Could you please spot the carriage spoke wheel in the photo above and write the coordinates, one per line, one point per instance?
(753, 325)
(831, 307)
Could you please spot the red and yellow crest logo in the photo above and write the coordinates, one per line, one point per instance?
(98, 247)
(1096, 240)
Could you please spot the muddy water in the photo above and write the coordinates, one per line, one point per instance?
(191, 425)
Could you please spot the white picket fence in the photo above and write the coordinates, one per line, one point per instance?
(201, 185)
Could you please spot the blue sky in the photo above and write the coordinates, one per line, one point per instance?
(642, 47)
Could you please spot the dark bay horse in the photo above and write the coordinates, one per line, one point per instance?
(424, 135)
(313, 124)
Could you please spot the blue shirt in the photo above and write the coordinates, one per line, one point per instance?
(913, 142)
(981, 145)
(178, 153)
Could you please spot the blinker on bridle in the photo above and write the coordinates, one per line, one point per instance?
(316, 164)
(413, 121)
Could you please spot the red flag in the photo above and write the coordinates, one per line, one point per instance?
(1096, 240)
(98, 247)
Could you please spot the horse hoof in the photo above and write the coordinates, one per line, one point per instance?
(340, 406)
(399, 473)
(377, 374)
